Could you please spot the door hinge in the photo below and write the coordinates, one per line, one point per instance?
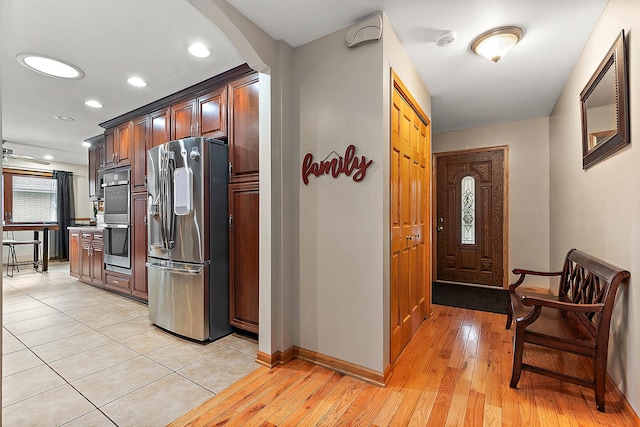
(230, 170)
(230, 221)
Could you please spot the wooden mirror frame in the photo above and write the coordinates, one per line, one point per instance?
(600, 145)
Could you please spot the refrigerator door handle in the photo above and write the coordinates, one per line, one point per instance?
(166, 198)
(178, 268)
(187, 271)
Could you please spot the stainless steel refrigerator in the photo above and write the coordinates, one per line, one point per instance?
(187, 263)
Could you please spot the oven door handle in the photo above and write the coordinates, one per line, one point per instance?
(114, 183)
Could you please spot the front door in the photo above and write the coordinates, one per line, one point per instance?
(470, 221)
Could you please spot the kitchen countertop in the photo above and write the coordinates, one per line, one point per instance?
(90, 228)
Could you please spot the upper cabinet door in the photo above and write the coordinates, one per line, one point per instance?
(110, 147)
(123, 143)
(139, 157)
(183, 119)
(243, 127)
(212, 114)
(160, 122)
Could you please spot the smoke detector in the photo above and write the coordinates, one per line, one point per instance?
(445, 38)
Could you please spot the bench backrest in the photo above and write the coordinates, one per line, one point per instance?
(588, 280)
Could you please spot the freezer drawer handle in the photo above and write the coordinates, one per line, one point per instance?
(193, 271)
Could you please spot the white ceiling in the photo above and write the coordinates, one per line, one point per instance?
(111, 40)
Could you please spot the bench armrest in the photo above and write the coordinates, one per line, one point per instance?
(561, 305)
(523, 273)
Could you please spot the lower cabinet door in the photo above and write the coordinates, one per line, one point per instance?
(243, 256)
(74, 253)
(139, 246)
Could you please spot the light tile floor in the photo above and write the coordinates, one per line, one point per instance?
(76, 355)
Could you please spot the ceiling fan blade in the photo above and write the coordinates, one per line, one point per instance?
(25, 158)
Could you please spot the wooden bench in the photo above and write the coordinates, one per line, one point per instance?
(576, 320)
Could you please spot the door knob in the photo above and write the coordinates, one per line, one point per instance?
(439, 229)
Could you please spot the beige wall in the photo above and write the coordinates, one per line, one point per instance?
(342, 303)
(528, 181)
(339, 300)
(598, 210)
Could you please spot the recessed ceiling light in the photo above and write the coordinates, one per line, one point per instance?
(136, 81)
(50, 66)
(199, 50)
(64, 118)
(48, 157)
(86, 144)
(93, 103)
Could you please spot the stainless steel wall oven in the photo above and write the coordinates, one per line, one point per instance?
(117, 192)
(116, 247)
(117, 220)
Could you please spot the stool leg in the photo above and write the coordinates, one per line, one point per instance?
(13, 262)
(9, 261)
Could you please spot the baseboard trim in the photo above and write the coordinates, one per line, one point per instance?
(620, 397)
(347, 368)
(275, 359)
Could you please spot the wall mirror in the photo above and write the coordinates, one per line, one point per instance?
(605, 107)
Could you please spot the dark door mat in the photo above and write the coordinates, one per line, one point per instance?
(471, 297)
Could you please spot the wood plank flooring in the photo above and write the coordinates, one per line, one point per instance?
(455, 371)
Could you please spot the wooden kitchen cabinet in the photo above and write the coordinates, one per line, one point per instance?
(139, 154)
(118, 282)
(97, 260)
(183, 119)
(205, 115)
(88, 259)
(139, 246)
(74, 253)
(117, 143)
(160, 127)
(96, 165)
(212, 114)
(223, 107)
(244, 128)
(243, 256)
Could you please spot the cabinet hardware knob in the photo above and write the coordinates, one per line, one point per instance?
(439, 229)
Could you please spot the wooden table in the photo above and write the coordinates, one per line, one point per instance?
(36, 228)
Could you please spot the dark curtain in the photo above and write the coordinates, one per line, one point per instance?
(66, 213)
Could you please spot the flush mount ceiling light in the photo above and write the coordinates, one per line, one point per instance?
(199, 50)
(93, 103)
(136, 81)
(47, 157)
(64, 118)
(86, 144)
(50, 66)
(494, 44)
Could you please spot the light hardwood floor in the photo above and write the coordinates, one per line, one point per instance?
(455, 371)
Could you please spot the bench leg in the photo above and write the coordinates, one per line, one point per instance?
(599, 374)
(518, 346)
(509, 316)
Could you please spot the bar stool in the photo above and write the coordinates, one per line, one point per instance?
(12, 259)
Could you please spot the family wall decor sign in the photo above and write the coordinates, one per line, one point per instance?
(347, 164)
